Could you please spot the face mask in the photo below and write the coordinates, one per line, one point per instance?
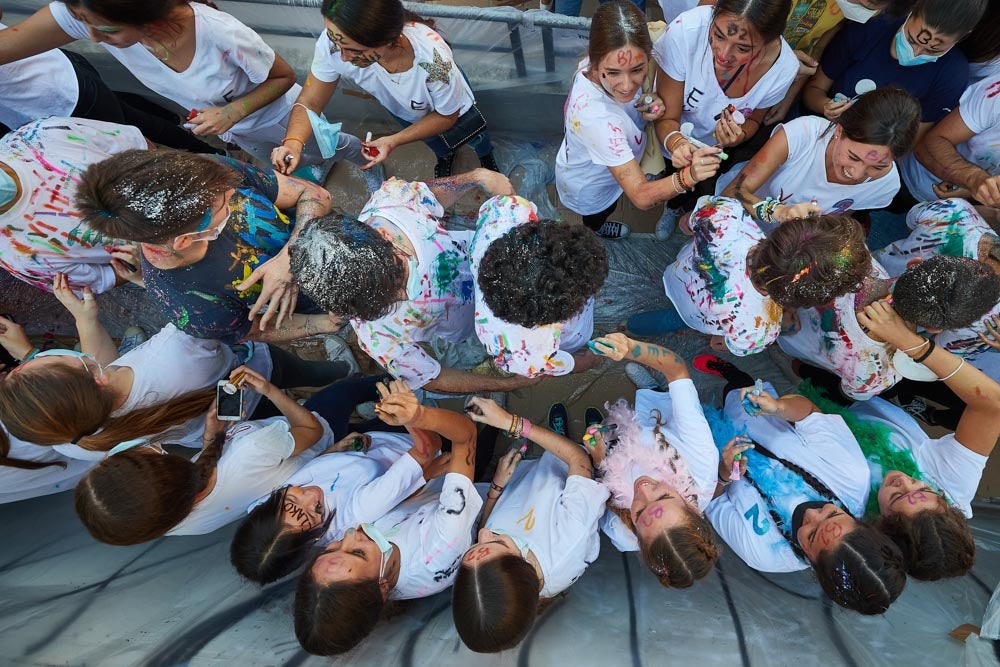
(855, 12)
(8, 188)
(413, 279)
(381, 542)
(800, 514)
(327, 134)
(904, 52)
(521, 544)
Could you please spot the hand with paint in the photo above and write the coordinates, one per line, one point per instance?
(377, 150)
(213, 120)
(650, 107)
(399, 405)
(764, 402)
(285, 158)
(784, 213)
(493, 183)
(486, 411)
(946, 190)
(614, 346)
(82, 309)
(13, 338)
(732, 464)
(278, 290)
(126, 262)
(508, 462)
(728, 131)
(705, 163)
(790, 323)
(992, 325)
(352, 442)
(833, 108)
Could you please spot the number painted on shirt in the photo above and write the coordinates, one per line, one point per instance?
(760, 525)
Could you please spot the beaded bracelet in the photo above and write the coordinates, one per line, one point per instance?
(688, 185)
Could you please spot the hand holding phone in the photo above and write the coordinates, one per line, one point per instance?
(228, 406)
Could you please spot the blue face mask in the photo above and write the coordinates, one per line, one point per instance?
(904, 52)
(327, 134)
(8, 188)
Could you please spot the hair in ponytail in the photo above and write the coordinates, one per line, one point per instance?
(372, 23)
(8, 462)
(140, 494)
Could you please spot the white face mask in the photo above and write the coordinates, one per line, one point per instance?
(855, 12)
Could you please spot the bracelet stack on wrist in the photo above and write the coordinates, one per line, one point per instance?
(930, 348)
(764, 209)
(687, 184)
(516, 427)
(495, 487)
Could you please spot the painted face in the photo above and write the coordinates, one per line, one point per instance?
(901, 494)
(214, 221)
(353, 558)
(350, 51)
(303, 508)
(733, 42)
(924, 40)
(107, 32)
(622, 71)
(854, 162)
(490, 545)
(656, 506)
(824, 528)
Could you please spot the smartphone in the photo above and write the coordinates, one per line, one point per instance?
(228, 407)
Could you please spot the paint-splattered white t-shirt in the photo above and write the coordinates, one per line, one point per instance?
(950, 227)
(979, 109)
(433, 83)
(432, 531)
(36, 87)
(361, 487)
(41, 234)
(831, 337)
(801, 178)
(600, 133)
(444, 305)
(820, 444)
(230, 60)
(542, 350)
(709, 284)
(556, 515)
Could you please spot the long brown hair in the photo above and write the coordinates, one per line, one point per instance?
(494, 603)
(682, 554)
(935, 544)
(139, 495)
(616, 25)
(7, 461)
(65, 404)
(333, 619)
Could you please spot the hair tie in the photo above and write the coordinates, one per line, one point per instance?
(104, 213)
(799, 275)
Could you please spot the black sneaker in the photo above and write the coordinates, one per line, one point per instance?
(593, 416)
(487, 162)
(559, 419)
(614, 230)
(443, 167)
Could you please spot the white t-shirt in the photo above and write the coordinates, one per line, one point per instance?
(950, 227)
(256, 459)
(36, 87)
(230, 60)
(980, 111)
(556, 516)
(674, 8)
(802, 177)
(445, 306)
(985, 70)
(43, 233)
(683, 52)
(541, 350)
(830, 337)
(600, 133)
(432, 530)
(362, 487)
(17, 484)
(434, 83)
(950, 465)
(820, 444)
(709, 285)
(687, 430)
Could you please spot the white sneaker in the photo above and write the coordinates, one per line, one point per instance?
(337, 349)
(614, 230)
(642, 378)
(667, 223)
(132, 338)
(374, 177)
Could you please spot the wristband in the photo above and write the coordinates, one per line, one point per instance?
(954, 372)
(723, 482)
(525, 428)
(31, 355)
(926, 354)
(293, 139)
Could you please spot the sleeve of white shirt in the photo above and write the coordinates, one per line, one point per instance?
(671, 51)
(244, 47)
(953, 467)
(374, 500)
(597, 132)
(451, 96)
(839, 444)
(323, 67)
(452, 521)
(70, 26)
(979, 110)
(581, 505)
(269, 445)
(769, 552)
(690, 423)
(795, 134)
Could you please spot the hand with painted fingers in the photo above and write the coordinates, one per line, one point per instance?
(987, 191)
(683, 153)
(946, 190)
(285, 158)
(727, 131)
(377, 150)
(13, 338)
(992, 337)
(399, 405)
(126, 262)
(352, 442)
(705, 163)
(213, 120)
(614, 346)
(83, 309)
(650, 107)
(486, 411)
(734, 448)
(278, 290)
(784, 213)
(508, 463)
(881, 319)
(764, 402)
(834, 108)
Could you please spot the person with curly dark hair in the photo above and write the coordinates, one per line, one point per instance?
(535, 282)
(401, 278)
(733, 282)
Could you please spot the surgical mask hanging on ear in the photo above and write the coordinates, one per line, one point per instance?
(521, 544)
(8, 188)
(413, 279)
(905, 55)
(327, 134)
(381, 541)
(855, 12)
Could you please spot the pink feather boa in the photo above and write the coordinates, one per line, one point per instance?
(636, 454)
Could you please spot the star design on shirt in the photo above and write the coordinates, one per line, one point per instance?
(439, 70)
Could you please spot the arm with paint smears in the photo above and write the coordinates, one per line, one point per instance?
(219, 120)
